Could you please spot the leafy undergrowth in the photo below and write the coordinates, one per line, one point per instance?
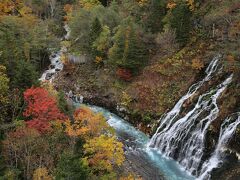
(170, 70)
(149, 94)
(161, 84)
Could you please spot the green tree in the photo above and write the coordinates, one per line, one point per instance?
(95, 30)
(4, 91)
(87, 25)
(108, 16)
(63, 105)
(25, 76)
(102, 44)
(72, 167)
(156, 10)
(179, 19)
(129, 50)
(4, 100)
(25, 38)
(2, 163)
(80, 28)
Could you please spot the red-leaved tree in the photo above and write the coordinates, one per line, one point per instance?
(124, 74)
(41, 109)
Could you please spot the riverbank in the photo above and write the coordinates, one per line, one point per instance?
(109, 101)
(145, 162)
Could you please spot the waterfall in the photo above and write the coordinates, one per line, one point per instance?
(183, 138)
(227, 130)
(168, 119)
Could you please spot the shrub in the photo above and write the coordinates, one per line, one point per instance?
(124, 74)
(167, 40)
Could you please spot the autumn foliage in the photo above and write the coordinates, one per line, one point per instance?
(124, 74)
(197, 64)
(41, 109)
(87, 123)
(23, 142)
(35, 153)
(41, 173)
(103, 152)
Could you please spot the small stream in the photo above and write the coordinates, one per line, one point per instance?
(146, 162)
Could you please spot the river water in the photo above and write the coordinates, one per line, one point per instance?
(142, 160)
(147, 162)
(155, 163)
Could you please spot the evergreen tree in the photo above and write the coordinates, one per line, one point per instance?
(156, 11)
(95, 29)
(25, 75)
(2, 164)
(71, 167)
(62, 104)
(4, 94)
(129, 50)
(180, 20)
(25, 38)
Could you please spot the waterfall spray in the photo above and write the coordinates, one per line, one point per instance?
(183, 138)
(168, 119)
(228, 128)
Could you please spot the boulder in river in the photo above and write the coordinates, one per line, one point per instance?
(52, 66)
(49, 76)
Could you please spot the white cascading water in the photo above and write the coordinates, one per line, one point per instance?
(56, 65)
(228, 128)
(168, 119)
(55, 59)
(183, 138)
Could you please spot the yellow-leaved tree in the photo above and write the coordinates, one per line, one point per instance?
(16, 7)
(41, 174)
(103, 152)
(191, 4)
(89, 4)
(4, 88)
(171, 5)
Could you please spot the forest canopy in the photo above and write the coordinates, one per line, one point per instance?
(135, 57)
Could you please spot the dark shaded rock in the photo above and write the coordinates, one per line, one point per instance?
(53, 56)
(49, 76)
(234, 143)
(52, 66)
(230, 168)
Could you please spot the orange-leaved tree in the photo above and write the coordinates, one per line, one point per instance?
(41, 109)
(87, 123)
